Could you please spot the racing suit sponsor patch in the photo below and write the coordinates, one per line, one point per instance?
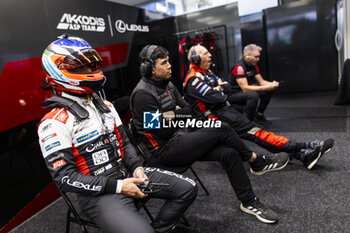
(87, 136)
(108, 166)
(100, 157)
(58, 163)
(109, 104)
(195, 82)
(81, 185)
(46, 127)
(99, 171)
(62, 117)
(60, 155)
(52, 145)
(48, 137)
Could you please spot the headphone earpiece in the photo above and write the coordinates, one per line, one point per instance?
(195, 58)
(147, 63)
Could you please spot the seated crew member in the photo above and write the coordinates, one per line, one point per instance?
(248, 86)
(176, 147)
(88, 153)
(202, 89)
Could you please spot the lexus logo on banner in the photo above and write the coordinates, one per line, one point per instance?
(81, 22)
(122, 27)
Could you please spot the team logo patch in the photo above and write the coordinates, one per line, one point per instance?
(81, 22)
(52, 145)
(100, 157)
(58, 163)
(240, 70)
(87, 136)
(151, 120)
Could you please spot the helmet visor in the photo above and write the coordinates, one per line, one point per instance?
(82, 57)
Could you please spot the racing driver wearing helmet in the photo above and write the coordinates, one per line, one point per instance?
(87, 152)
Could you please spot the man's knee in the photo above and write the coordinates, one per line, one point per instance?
(229, 156)
(190, 191)
(270, 92)
(252, 96)
(186, 188)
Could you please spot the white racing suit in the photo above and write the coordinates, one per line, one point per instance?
(91, 156)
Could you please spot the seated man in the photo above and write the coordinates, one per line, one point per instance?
(248, 86)
(172, 146)
(87, 152)
(203, 91)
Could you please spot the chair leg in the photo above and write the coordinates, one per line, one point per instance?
(199, 180)
(147, 212)
(68, 221)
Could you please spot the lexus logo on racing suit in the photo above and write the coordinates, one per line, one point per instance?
(80, 185)
(123, 27)
(81, 22)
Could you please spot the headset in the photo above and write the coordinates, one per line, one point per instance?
(195, 58)
(147, 63)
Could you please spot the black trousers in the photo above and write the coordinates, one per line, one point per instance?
(250, 101)
(250, 131)
(116, 213)
(211, 144)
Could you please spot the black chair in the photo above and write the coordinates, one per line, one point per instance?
(75, 215)
(151, 160)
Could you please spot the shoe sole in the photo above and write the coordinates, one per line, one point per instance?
(270, 170)
(311, 165)
(264, 220)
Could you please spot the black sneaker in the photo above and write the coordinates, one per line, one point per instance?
(270, 162)
(260, 118)
(325, 145)
(310, 156)
(259, 210)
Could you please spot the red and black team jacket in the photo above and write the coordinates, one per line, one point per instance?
(199, 92)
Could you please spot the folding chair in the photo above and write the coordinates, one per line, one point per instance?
(75, 215)
(151, 160)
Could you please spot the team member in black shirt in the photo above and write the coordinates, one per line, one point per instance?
(248, 86)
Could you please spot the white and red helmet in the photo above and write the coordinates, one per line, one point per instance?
(64, 55)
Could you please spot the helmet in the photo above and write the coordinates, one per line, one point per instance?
(61, 59)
